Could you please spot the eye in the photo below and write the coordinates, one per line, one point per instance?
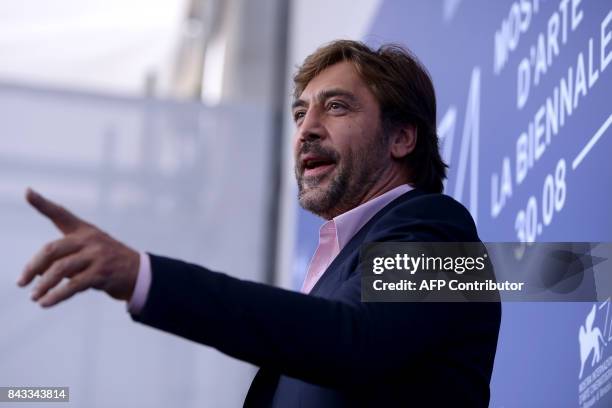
(336, 107)
(298, 115)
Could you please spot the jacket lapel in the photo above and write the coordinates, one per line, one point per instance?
(355, 242)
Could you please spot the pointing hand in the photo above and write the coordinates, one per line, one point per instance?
(86, 256)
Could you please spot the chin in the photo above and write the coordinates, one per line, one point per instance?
(311, 197)
(314, 199)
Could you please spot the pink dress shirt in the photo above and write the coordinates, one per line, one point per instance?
(333, 236)
(337, 232)
(143, 284)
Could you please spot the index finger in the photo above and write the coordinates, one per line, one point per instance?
(61, 217)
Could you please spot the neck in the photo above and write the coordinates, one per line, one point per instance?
(382, 187)
(390, 177)
(386, 180)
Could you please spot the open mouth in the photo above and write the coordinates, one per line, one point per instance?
(317, 166)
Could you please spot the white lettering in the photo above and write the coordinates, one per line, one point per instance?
(580, 84)
(576, 14)
(523, 84)
(539, 132)
(606, 38)
(470, 140)
(521, 158)
(553, 32)
(505, 192)
(593, 74)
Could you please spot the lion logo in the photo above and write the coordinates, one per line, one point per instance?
(591, 341)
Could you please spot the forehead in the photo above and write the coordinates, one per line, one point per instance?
(342, 76)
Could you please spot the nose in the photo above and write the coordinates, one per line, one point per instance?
(311, 127)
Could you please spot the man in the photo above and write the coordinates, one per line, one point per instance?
(366, 160)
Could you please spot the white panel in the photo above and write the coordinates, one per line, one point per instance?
(103, 45)
(174, 179)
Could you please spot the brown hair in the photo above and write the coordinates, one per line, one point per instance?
(404, 91)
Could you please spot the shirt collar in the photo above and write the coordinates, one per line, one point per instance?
(349, 223)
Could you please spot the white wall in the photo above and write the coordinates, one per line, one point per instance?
(107, 46)
(160, 176)
(174, 179)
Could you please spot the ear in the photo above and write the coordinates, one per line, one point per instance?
(403, 141)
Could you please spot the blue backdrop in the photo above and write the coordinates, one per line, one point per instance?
(524, 115)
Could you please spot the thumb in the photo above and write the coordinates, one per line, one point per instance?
(62, 218)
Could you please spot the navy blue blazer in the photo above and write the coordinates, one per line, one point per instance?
(328, 349)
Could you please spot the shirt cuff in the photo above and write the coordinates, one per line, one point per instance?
(143, 284)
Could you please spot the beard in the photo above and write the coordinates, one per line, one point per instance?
(348, 182)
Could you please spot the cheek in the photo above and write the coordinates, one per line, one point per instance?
(351, 139)
(296, 145)
(344, 133)
(296, 141)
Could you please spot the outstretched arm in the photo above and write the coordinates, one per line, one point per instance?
(338, 342)
(335, 342)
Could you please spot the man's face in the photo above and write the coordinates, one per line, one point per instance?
(339, 147)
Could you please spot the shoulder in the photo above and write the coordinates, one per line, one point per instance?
(424, 216)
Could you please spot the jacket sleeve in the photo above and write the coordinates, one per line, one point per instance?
(338, 342)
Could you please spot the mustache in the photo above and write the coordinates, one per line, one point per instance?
(316, 149)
